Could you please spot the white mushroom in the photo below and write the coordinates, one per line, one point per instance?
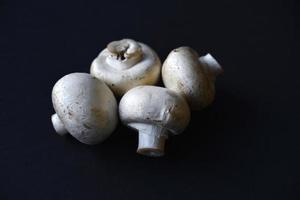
(155, 112)
(125, 64)
(193, 77)
(85, 107)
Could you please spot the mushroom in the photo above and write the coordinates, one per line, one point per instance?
(193, 77)
(85, 107)
(155, 112)
(125, 64)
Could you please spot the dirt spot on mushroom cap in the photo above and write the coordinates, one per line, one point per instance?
(101, 115)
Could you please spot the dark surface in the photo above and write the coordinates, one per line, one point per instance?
(245, 146)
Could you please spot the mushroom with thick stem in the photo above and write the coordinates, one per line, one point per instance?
(85, 107)
(193, 77)
(125, 64)
(155, 112)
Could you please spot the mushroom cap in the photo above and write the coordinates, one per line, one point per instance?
(183, 73)
(86, 107)
(155, 106)
(145, 72)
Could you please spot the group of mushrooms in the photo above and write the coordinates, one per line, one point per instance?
(86, 105)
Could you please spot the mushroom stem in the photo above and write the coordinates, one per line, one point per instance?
(151, 140)
(124, 53)
(211, 65)
(58, 125)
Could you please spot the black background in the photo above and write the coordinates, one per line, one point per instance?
(245, 146)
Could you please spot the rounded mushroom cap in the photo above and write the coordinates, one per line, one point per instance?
(126, 64)
(155, 105)
(86, 107)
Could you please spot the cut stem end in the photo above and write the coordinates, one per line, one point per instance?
(150, 145)
(58, 125)
(211, 64)
(151, 139)
(124, 53)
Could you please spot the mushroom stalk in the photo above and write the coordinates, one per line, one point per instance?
(125, 53)
(151, 140)
(58, 125)
(211, 65)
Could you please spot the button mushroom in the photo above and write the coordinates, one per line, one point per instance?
(193, 77)
(125, 64)
(155, 112)
(85, 107)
